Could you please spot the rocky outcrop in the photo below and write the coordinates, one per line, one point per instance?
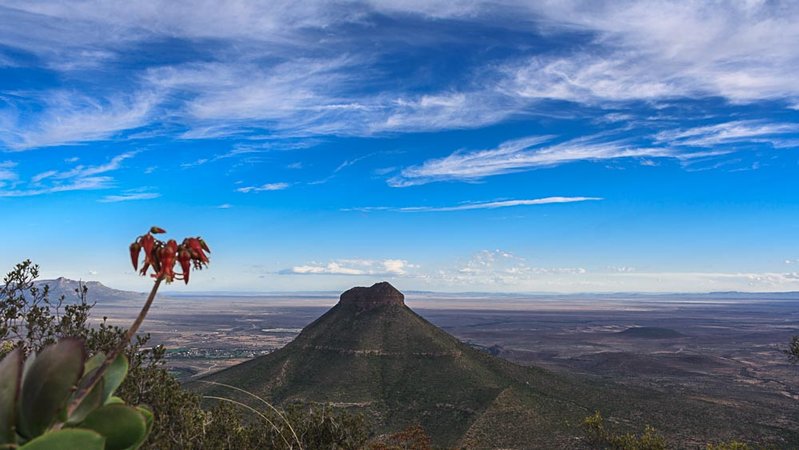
(379, 294)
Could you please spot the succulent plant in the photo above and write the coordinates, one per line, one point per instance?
(40, 410)
(61, 399)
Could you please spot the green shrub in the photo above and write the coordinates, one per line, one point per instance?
(731, 445)
(600, 437)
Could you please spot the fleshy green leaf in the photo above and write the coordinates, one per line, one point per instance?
(114, 376)
(67, 439)
(123, 426)
(148, 421)
(96, 397)
(48, 384)
(10, 374)
(114, 400)
(93, 362)
(92, 401)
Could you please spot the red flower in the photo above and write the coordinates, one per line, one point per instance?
(147, 243)
(162, 257)
(184, 257)
(135, 249)
(196, 246)
(167, 256)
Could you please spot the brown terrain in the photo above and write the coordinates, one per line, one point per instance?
(721, 350)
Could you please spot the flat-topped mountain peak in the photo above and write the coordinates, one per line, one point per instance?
(379, 294)
(371, 354)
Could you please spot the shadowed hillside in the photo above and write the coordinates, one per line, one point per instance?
(372, 354)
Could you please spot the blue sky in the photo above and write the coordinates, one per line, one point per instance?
(570, 146)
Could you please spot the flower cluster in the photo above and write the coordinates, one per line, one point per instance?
(162, 256)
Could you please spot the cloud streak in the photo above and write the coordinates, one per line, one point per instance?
(78, 178)
(478, 205)
(132, 196)
(741, 131)
(80, 184)
(68, 118)
(264, 188)
(527, 154)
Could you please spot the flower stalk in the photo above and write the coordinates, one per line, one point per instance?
(161, 257)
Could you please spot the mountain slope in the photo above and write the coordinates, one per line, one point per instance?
(372, 354)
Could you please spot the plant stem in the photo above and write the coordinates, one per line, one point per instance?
(137, 323)
(123, 344)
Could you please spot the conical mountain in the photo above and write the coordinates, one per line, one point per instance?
(372, 354)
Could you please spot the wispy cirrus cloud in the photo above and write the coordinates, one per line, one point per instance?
(264, 187)
(527, 154)
(751, 131)
(77, 178)
(130, 195)
(478, 205)
(80, 184)
(686, 145)
(657, 50)
(71, 118)
(247, 76)
(81, 171)
(7, 172)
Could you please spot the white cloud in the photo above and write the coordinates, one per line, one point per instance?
(297, 68)
(395, 266)
(196, 163)
(438, 111)
(501, 269)
(84, 171)
(71, 118)
(129, 196)
(386, 267)
(264, 187)
(741, 50)
(587, 281)
(478, 205)
(225, 206)
(77, 178)
(41, 176)
(729, 132)
(529, 153)
(78, 184)
(7, 173)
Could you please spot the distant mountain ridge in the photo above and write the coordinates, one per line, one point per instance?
(97, 292)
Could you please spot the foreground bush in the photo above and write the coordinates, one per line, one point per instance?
(600, 437)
